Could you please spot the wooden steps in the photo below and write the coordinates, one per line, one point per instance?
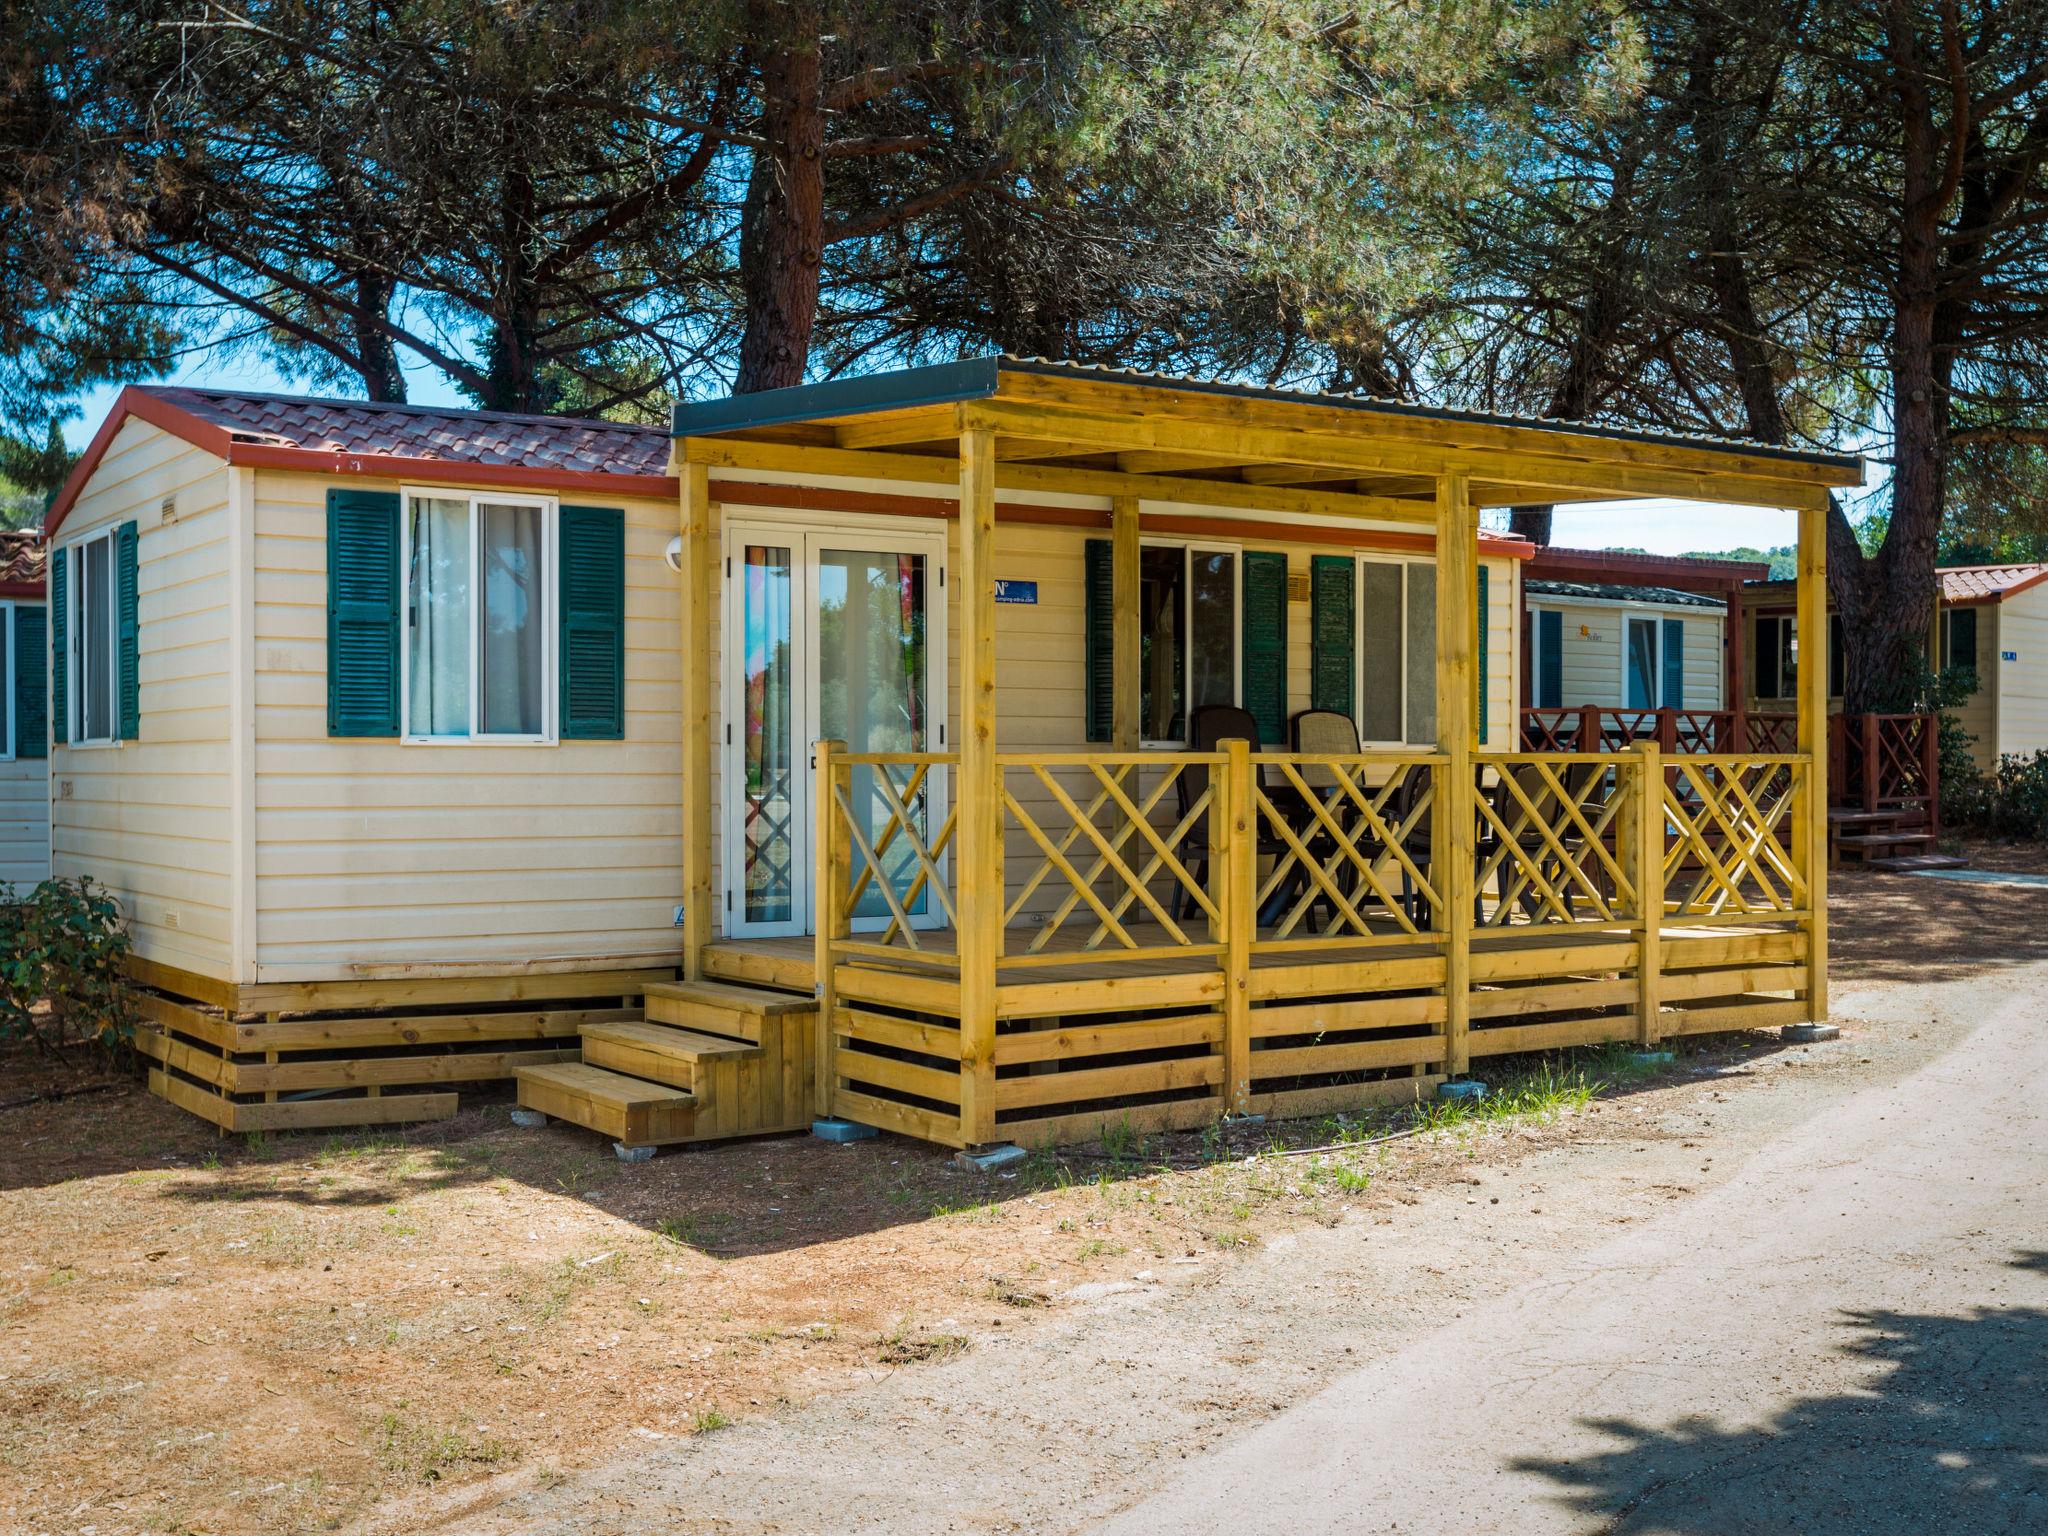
(630, 1111)
(722, 1007)
(1888, 837)
(709, 1060)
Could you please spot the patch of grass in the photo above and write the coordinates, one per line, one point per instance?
(1100, 1248)
(1010, 1294)
(427, 1454)
(709, 1419)
(1339, 1176)
(908, 1346)
(1121, 1141)
(1552, 1090)
(972, 1210)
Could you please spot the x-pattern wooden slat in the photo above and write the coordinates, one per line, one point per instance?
(899, 805)
(1369, 823)
(1139, 818)
(1298, 856)
(1528, 863)
(1084, 888)
(1754, 850)
(1108, 857)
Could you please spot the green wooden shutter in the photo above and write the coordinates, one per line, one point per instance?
(362, 613)
(1673, 662)
(592, 614)
(1485, 635)
(60, 639)
(1262, 644)
(1549, 659)
(1333, 616)
(1099, 597)
(31, 681)
(127, 634)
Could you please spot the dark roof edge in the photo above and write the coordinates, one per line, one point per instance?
(398, 407)
(976, 378)
(972, 378)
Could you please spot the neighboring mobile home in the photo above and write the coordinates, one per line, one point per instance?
(415, 745)
(24, 731)
(1992, 619)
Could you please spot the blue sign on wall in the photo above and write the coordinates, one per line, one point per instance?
(1016, 591)
(2002, 655)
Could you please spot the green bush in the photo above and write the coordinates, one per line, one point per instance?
(64, 944)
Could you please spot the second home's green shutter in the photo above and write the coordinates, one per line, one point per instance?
(1673, 662)
(1333, 613)
(31, 685)
(362, 613)
(1099, 598)
(60, 643)
(127, 633)
(1262, 629)
(592, 600)
(1549, 658)
(1485, 632)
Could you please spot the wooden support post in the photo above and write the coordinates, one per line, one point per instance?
(1648, 846)
(833, 852)
(1736, 683)
(1235, 855)
(1667, 729)
(1589, 728)
(1930, 772)
(700, 564)
(1453, 836)
(978, 838)
(1813, 724)
(1872, 750)
(1126, 649)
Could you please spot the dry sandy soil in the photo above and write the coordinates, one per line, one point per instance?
(474, 1326)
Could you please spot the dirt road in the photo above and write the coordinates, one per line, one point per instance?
(1810, 1294)
(1851, 1335)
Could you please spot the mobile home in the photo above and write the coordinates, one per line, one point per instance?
(982, 752)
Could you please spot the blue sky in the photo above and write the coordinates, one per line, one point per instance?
(1662, 527)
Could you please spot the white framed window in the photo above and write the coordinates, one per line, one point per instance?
(477, 647)
(92, 643)
(1189, 599)
(1396, 668)
(1642, 662)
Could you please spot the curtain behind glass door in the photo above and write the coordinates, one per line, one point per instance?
(871, 691)
(1642, 664)
(768, 807)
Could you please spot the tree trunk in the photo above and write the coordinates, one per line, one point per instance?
(782, 226)
(512, 376)
(376, 353)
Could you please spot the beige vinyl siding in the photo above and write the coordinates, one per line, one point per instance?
(1592, 651)
(379, 857)
(1980, 714)
(24, 821)
(2022, 684)
(149, 817)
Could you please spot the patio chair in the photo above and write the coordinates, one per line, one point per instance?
(1534, 847)
(1415, 783)
(1214, 724)
(1329, 732)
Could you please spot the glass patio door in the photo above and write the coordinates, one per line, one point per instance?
(835, 634)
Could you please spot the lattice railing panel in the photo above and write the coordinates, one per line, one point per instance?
(1732, 837)
(1343, 845)
(1113, 842)
(1550, 832)
(881, 808)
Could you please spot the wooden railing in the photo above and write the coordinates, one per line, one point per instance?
(1886, 762)
(1595, 728)
(1219, 930)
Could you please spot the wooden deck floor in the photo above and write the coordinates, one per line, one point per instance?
(791, 962)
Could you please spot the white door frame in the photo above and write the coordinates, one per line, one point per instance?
(804, 534)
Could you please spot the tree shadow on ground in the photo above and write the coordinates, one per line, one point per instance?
(1907, 928)
(1951, 1434)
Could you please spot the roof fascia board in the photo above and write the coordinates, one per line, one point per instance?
(1575, 600)
(145, 407)
(972, 378)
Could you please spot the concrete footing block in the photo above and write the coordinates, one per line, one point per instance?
(990, 1159)
(1464, 1090)
(832, 1128)
(1652, 1058)
(632, 1154)
(1808, 1034)
(532, 1119)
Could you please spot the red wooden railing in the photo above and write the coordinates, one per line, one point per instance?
(1875, 762)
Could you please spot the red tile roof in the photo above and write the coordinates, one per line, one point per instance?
(21, 562)
(420, 442)
(427, 432)
(1987, 583)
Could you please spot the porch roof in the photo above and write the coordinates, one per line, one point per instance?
(1068, 427)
